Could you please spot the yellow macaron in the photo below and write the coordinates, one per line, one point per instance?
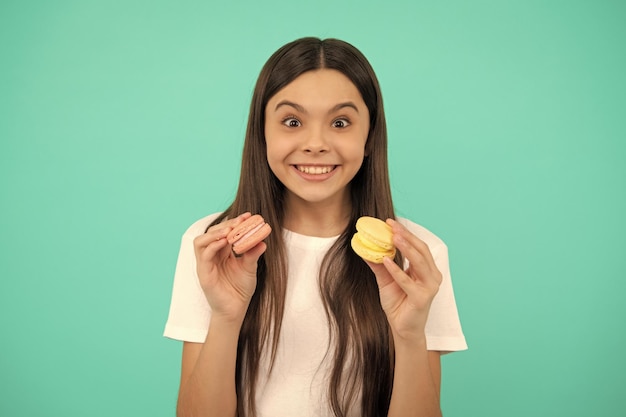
(372, 241)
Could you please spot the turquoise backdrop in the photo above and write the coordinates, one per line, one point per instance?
(121, 123)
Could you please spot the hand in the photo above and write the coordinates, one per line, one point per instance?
(406, 295)
(228, 282)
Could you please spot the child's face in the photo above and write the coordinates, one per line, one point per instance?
(316, 129)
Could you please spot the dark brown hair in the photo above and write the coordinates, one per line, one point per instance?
(360, 333)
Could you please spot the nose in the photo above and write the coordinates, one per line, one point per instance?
(315, 142)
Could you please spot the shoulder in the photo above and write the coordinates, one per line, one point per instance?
(431, 239)
(199, 226)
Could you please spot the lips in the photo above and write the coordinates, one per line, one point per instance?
(315, 169)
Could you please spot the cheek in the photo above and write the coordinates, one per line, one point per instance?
(274, 166)
(275, 153)
(271, 155)
(355, 148)
(270, 142)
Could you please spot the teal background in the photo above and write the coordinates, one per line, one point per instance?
(121, 123)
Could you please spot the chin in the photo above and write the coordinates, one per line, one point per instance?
(321, 198)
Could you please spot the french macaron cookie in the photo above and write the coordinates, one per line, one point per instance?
(248, 234)
(372, 240)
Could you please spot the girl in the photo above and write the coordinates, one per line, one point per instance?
(300, 325)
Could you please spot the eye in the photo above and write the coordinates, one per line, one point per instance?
(341, 123)
(291, 122)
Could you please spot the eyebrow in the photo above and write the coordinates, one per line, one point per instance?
(291, 104)
(302, 110)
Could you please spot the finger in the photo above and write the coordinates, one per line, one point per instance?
(417, 243)
(401, 278)
(226, 226)
(206, 252)
(415, 250)
(207, 239)
(383, 278)
(218, 231)
(239, 219)
(250, 258)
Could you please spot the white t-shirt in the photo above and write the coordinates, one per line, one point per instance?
(297, 386)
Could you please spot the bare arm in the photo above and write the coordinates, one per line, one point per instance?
(207, 383)
(416, 383)
(406, 296)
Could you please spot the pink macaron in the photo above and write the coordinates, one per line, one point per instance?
(248, 234)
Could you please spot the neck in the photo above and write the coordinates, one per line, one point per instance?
(320, 219)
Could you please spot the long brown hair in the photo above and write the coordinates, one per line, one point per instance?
(360, 334)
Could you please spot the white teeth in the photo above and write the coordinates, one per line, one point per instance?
(315, 170)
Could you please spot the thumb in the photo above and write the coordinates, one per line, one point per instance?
(250, 259)
(383, 278)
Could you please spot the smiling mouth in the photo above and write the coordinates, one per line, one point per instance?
(315, 169)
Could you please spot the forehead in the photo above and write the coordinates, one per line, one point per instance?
(322, 85)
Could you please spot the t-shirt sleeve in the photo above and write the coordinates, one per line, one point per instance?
(189, 313)
(443, 327)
